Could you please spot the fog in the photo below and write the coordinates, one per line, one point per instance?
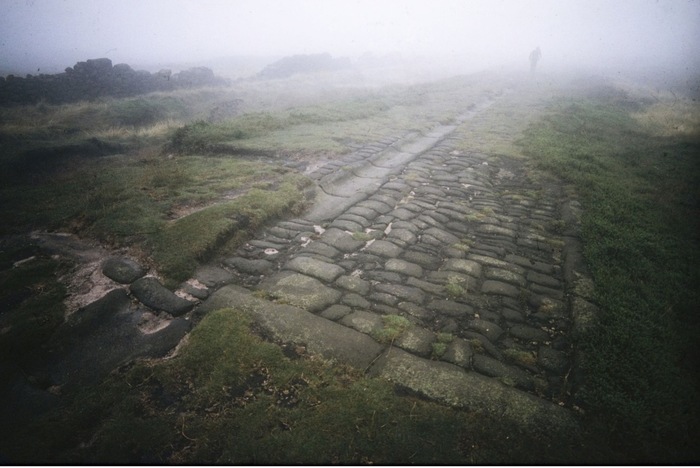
(49, 35)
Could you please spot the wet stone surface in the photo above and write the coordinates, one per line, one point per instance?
(460, 244)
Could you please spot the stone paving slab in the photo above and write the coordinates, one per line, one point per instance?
(451, 385)
(293, 324)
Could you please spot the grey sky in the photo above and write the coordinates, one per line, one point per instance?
(40, 33)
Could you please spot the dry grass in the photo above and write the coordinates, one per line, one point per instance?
(671, 118)
(157, 130)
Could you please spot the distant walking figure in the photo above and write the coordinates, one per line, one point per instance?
(534, 58)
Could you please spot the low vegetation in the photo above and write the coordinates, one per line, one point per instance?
(167, 175)
(393, 326)
(31, 299)
(231, 398)
(640, 226)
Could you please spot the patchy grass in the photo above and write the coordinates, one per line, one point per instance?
(231, 398)
(640, 228)
(456, 287)
(358, 116)
(179, 246)
(127, 200)
(439, 347)
(393, 327)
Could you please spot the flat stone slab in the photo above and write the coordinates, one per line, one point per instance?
(213, 276)
(106, 334)
(363, 321)
(451, 385)
(402, 236)
(488, 329)
(324, 271)
(406, 268)
(292, 324)
(459, 352)
(341, 240)
(505, 276)
(469, 267)
(248, 266)
(500, 289)
(443, 236)
(353, 284)
(417, 340)
(406, 293)
(450, 308)
(301, 291)
(495, 368)
(151, 293)
(526, 333)
(384, 249)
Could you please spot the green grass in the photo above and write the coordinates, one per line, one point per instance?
(131, 200)
(357, 115)
(393, 326)
(231, 398)
(640, 226)
(179, 246)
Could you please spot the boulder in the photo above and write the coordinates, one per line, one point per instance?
(151, 293)
(122, 270)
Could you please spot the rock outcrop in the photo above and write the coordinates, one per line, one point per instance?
(310, 63)
(97, 78)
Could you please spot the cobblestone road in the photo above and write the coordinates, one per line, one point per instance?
(482, 260)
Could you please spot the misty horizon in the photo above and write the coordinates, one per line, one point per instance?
(44, 36)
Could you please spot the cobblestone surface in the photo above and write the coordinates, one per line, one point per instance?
(466, 247)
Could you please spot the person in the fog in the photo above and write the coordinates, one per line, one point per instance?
(534, 58)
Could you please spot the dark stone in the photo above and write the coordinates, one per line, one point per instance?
(104, 335)
(250, 267)
(156, 296)
(488, 329)
(336, 312)
(526, 333)
(122, 270)
(453, 309)
(507, 374)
